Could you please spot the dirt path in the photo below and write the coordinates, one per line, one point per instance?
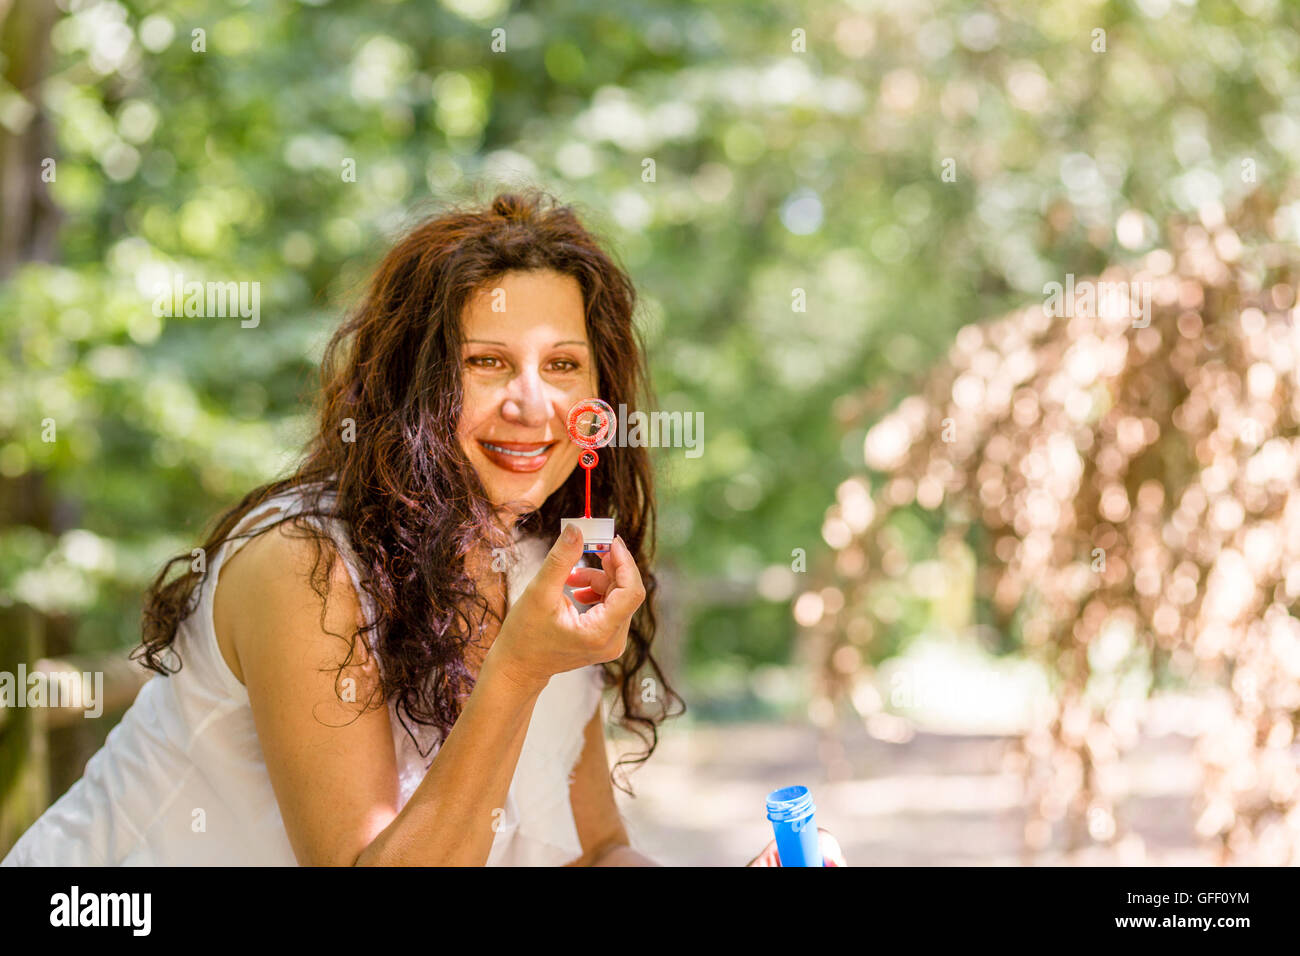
(938, 799)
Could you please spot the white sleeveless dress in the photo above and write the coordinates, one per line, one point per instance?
(189, 743)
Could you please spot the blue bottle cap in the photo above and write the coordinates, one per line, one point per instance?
(789, 803)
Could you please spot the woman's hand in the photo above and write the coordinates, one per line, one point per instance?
(830, 847)
(544, 634)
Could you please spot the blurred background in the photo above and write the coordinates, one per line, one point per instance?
(1001, 587)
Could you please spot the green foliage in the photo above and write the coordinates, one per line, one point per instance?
(775, 170)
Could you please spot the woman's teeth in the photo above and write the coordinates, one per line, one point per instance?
(518, 454)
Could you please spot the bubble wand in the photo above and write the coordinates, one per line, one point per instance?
(591, 426)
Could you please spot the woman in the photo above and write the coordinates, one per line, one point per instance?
(376, 660)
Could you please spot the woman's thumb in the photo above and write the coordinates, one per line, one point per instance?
(564, 554)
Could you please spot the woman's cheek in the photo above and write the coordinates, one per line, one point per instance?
(566, 466)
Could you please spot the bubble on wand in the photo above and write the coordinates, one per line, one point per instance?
(591, 426)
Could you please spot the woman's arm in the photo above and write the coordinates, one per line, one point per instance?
(334, 773)
(453, 815)
(595, 813)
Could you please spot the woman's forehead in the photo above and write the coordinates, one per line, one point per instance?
(547, 307)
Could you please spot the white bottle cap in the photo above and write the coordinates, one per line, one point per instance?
(597, 533)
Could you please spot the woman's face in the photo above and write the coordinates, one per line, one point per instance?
(523, 367)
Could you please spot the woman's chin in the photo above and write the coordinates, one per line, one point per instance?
(516, 501)
(523, 492)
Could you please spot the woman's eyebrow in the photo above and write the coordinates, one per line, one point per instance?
(555, 346)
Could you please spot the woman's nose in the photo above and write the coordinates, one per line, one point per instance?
(525, 401)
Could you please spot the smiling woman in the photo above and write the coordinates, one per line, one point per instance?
(383, 660)
(524, 369)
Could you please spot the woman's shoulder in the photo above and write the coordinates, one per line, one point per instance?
(279, 541)
(272, 587)
(284, 558)
(283, 536)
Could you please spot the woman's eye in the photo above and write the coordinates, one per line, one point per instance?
(492, 362)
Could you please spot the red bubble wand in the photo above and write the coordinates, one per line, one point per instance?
(591, 426)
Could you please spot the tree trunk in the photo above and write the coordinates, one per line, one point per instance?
(28, 217)
(28, 229)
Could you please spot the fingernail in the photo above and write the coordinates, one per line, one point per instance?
(570, 534)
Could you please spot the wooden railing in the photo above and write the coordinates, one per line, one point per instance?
(25, 732)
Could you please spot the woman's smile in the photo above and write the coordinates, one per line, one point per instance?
(517, 456)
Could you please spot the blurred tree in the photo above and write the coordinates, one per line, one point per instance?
(1133, 465)
(28, 221)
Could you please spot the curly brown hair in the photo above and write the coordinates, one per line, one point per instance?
(413, 504)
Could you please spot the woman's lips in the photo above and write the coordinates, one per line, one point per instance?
(517, 456)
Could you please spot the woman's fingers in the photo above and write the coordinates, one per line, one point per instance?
(598, 579)
(623, 595)
(590, 584)
(832, 855)
(768, 856)
(588, 596)
(591, 579)
(627, 591)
